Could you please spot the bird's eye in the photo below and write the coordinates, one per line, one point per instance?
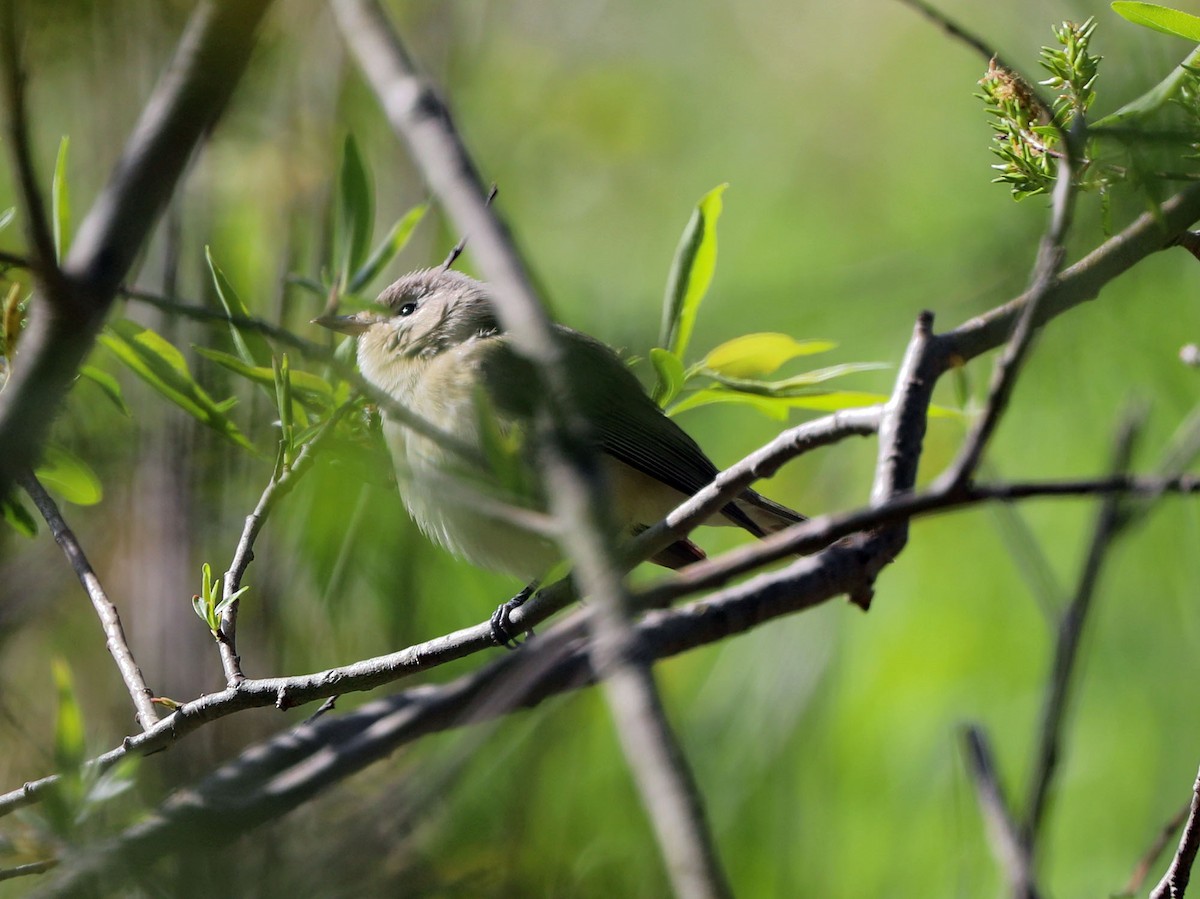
(408, 309)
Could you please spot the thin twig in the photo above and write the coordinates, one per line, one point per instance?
(40, 867)
(577, 498)
(37, 228)
(1165, 834)
(1109, 522)
(1004, 377)
(280, 485)
(979, 45)
(804, 584)
(114, 633)
(1175, 881)
(183, 108)
(1004, 834)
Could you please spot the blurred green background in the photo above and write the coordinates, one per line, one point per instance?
(826, 744)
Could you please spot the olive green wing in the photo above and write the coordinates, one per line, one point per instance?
(624, 421)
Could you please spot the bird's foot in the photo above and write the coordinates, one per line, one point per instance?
(502, 625)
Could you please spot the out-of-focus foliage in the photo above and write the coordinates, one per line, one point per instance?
(857, 163)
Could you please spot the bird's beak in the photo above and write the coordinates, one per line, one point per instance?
(345, 324)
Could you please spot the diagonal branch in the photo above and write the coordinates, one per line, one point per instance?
(114, 633)
(1051, 252)
(66, 316)
(1109, 523)
(37, 229)
(1004, 833)
(572, 477)
(1175, 881)
(280, 485)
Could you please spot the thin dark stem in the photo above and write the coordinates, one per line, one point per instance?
(1003, 832)
(1174, 882)
(577, 497)
(28, 869)
(114, 633)
(1109, 523)
(1165, 834)
(280, 485)
(979, 45)
(37, 228)
(804, 584)
(1051, 252)
(66, 316)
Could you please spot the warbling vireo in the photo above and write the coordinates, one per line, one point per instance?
(435, 345)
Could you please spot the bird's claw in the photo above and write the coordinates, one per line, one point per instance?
(501, 622)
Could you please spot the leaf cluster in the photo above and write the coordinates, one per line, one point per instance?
(737, 370)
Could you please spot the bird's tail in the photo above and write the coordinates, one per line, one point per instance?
(759, 515)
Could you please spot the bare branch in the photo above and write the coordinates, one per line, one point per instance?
(1174, 883)
(1109, 523)
(281, 485)
(1161, 840)
(37, 228)
(1004, 834)
(1083, 281)
(114, 633)
(28, 869)
(188, 100)
(1051, 252)
(577, 497)
(980, 46)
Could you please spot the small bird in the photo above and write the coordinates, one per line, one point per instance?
(435, 345)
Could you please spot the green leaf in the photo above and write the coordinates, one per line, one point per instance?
(1159, 18)
(69, 476)
(18, 517)
(395, 241)
(753, 355)
(108, 384)
(355, 212)
(70, 746)
(1151, 101)
(797, 385)
(669, 369)
(310, 284)
(778, 406)
(60, 203)
(250, 344)
(691, 273)
(311, 389)
(162, 366)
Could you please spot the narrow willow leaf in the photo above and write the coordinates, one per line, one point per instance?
(1153, 100)
(754, 355)
(251, 345)
(160, 365)
(691, 273)
(312, 285)
(108, 385)
(669, 369)
(18, 517)
(396, 240)
(778, 406)
(283, 401)
(60, 203)
(1159, 18)
(311, 389)
(70, 747)
(355, 212)
(69, 476)
(797, 385)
